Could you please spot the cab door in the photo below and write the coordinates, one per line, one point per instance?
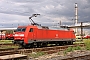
(32, 33)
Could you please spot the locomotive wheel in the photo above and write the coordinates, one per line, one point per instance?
(41, 44)
(70, 42)
(6, 38)
(38, 44)
(30, 45)
(23, 45)
(44, 44)
(57, 43)
(61, 44)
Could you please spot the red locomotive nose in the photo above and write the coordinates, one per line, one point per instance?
(19, 36)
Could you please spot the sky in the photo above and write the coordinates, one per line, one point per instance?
(17, 12)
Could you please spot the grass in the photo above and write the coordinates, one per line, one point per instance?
(79, 41)
(6, 41)
(71, 49)
(87, 43)
(37, 54)
(7, 47)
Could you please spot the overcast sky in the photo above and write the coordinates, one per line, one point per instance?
(14, 12)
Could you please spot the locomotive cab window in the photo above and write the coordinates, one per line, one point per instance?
(31, 30)
(20, 30)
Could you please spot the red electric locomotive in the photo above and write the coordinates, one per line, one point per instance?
(26, 35)
(33, 35)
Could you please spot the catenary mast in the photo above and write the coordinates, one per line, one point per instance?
(76, 17)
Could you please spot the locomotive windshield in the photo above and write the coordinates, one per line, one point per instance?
(20, 29)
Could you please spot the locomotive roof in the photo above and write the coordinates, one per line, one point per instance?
(57, 28)
(27, 26)
(43, 27)
(51, 28)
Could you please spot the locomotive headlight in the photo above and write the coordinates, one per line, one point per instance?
(16, 35)
(8, 35)
(21, 34)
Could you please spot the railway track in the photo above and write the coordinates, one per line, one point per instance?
(48, 50)
(82, 55)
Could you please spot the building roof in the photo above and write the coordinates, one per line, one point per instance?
(7, 28)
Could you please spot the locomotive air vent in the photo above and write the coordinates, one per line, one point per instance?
(45, 27)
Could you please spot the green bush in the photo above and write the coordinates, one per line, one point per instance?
(77, 48)
(69, 49)
(65, 52)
